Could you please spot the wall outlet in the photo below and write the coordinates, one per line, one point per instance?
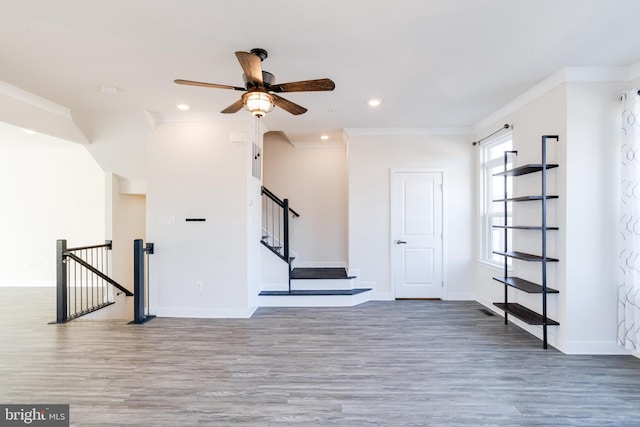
(198, 286)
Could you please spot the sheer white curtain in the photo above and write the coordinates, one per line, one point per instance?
(629, 255)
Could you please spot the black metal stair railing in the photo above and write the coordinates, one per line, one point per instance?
(83, 283)
(275, 226)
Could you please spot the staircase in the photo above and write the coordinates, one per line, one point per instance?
(301, 287)
(317, 287)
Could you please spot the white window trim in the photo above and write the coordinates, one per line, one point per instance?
(485, 217)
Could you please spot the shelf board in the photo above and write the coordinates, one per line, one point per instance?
(523, 227)
(523, 256)
(524, 285)
(523, 313)
(525, 169)
(524, 199)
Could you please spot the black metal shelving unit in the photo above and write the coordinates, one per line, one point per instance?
(517, 310)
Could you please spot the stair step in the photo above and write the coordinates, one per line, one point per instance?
(328, 284)
(323, 292)
(319, 273)
(314, 298)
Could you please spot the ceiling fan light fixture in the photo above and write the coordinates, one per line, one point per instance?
(258, 102)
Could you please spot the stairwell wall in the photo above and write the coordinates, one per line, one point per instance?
(314, 179)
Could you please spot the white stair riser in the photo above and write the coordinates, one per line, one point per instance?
(314, 300)
(317, 284)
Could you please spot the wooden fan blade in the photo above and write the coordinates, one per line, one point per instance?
(305, 86)
(287, 105)
(251, 66)
(213, 85)
(233, 108)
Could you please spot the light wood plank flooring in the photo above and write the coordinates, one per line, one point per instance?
(405, 363)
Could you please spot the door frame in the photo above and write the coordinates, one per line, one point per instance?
(392, 179)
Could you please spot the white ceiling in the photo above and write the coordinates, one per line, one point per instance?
(434, 63)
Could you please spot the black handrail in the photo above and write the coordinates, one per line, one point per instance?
(99, 273)
(108, 245)
(277, 200)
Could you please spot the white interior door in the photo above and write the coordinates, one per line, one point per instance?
(416, 232)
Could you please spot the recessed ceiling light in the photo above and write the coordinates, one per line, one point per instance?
(324, 137)
(374, 102)
(29, 131)
(108, 90)
(183, 107)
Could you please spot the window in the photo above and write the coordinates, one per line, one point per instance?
(492, 213)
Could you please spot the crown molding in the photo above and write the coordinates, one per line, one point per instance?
(34, 100)
(407, 131)
(562, 76)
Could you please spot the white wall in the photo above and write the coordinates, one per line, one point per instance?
(195, 171)
(314, 179)
(126, 221)
(593, 182)
(126, 215)
(370, 161)
(117, 140)
(49, 189)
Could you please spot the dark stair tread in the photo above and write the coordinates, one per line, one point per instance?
(523, 313)
(319, 273)
(316, 292)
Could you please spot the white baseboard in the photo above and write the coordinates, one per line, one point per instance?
(203, 313)
(459, 296)
(381, 296)
(596, 347)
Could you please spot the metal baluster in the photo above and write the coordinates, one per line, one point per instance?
(273, 232)
(93, 300)
(86, 290)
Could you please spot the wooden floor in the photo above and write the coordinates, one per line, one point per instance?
(405, 363)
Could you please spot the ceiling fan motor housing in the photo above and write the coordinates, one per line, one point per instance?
(268, 79)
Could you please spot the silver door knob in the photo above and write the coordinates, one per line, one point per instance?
(400, 242)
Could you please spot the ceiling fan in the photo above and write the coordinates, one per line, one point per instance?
(259, 86)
